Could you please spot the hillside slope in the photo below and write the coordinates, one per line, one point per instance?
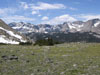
(9, 35)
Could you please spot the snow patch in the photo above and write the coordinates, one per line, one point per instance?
(14, 35)
(75, 26)
(16, 27)
(96, 24)
(11, 33)
(7, 41)
(45, 32)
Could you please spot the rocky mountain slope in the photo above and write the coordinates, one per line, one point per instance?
(67, 31)
(77, 26)
(9, 35)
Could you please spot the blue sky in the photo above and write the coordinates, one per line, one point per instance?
(48, 11)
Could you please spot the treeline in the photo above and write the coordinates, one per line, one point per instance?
(47, 42)
(25, 43)
(3, 44)
(42, 42)
(88, 37)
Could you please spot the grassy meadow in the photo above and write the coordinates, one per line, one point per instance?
(61, 59)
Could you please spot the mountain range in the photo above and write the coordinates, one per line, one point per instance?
(14, 33)
(66, 32)
(77, 26)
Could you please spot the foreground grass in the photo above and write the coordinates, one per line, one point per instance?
(63, 59)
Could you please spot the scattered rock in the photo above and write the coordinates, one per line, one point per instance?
(74, 65)
(0, 61)
(4, 57)
(38, 70)
(33, 54)
(32, 74)
(49, 60)
(62, 73)
(13, 57)
(27, 61)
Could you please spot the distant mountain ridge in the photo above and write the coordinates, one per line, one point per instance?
(77, 26)
(90, 29)
(9, 35)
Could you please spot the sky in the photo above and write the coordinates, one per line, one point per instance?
(48, 11)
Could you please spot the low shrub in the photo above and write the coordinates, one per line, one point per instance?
(47, 42)
(25, 43)
(3, 44)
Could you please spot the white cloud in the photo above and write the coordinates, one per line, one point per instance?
(17, 18)
(24, 5)
(71, 8)
(88, 16)
(34, 12)
(39, 15)
(45, 18)
(6, 11)
(1, 11)
(42, 6)
(46, 6)
(60, 19)
(34, 7)
(8, 15)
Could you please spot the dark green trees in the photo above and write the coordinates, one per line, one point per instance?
(48, 42)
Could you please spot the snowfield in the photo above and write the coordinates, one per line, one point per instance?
(8, 41)
(96, 24)
(11, 33)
